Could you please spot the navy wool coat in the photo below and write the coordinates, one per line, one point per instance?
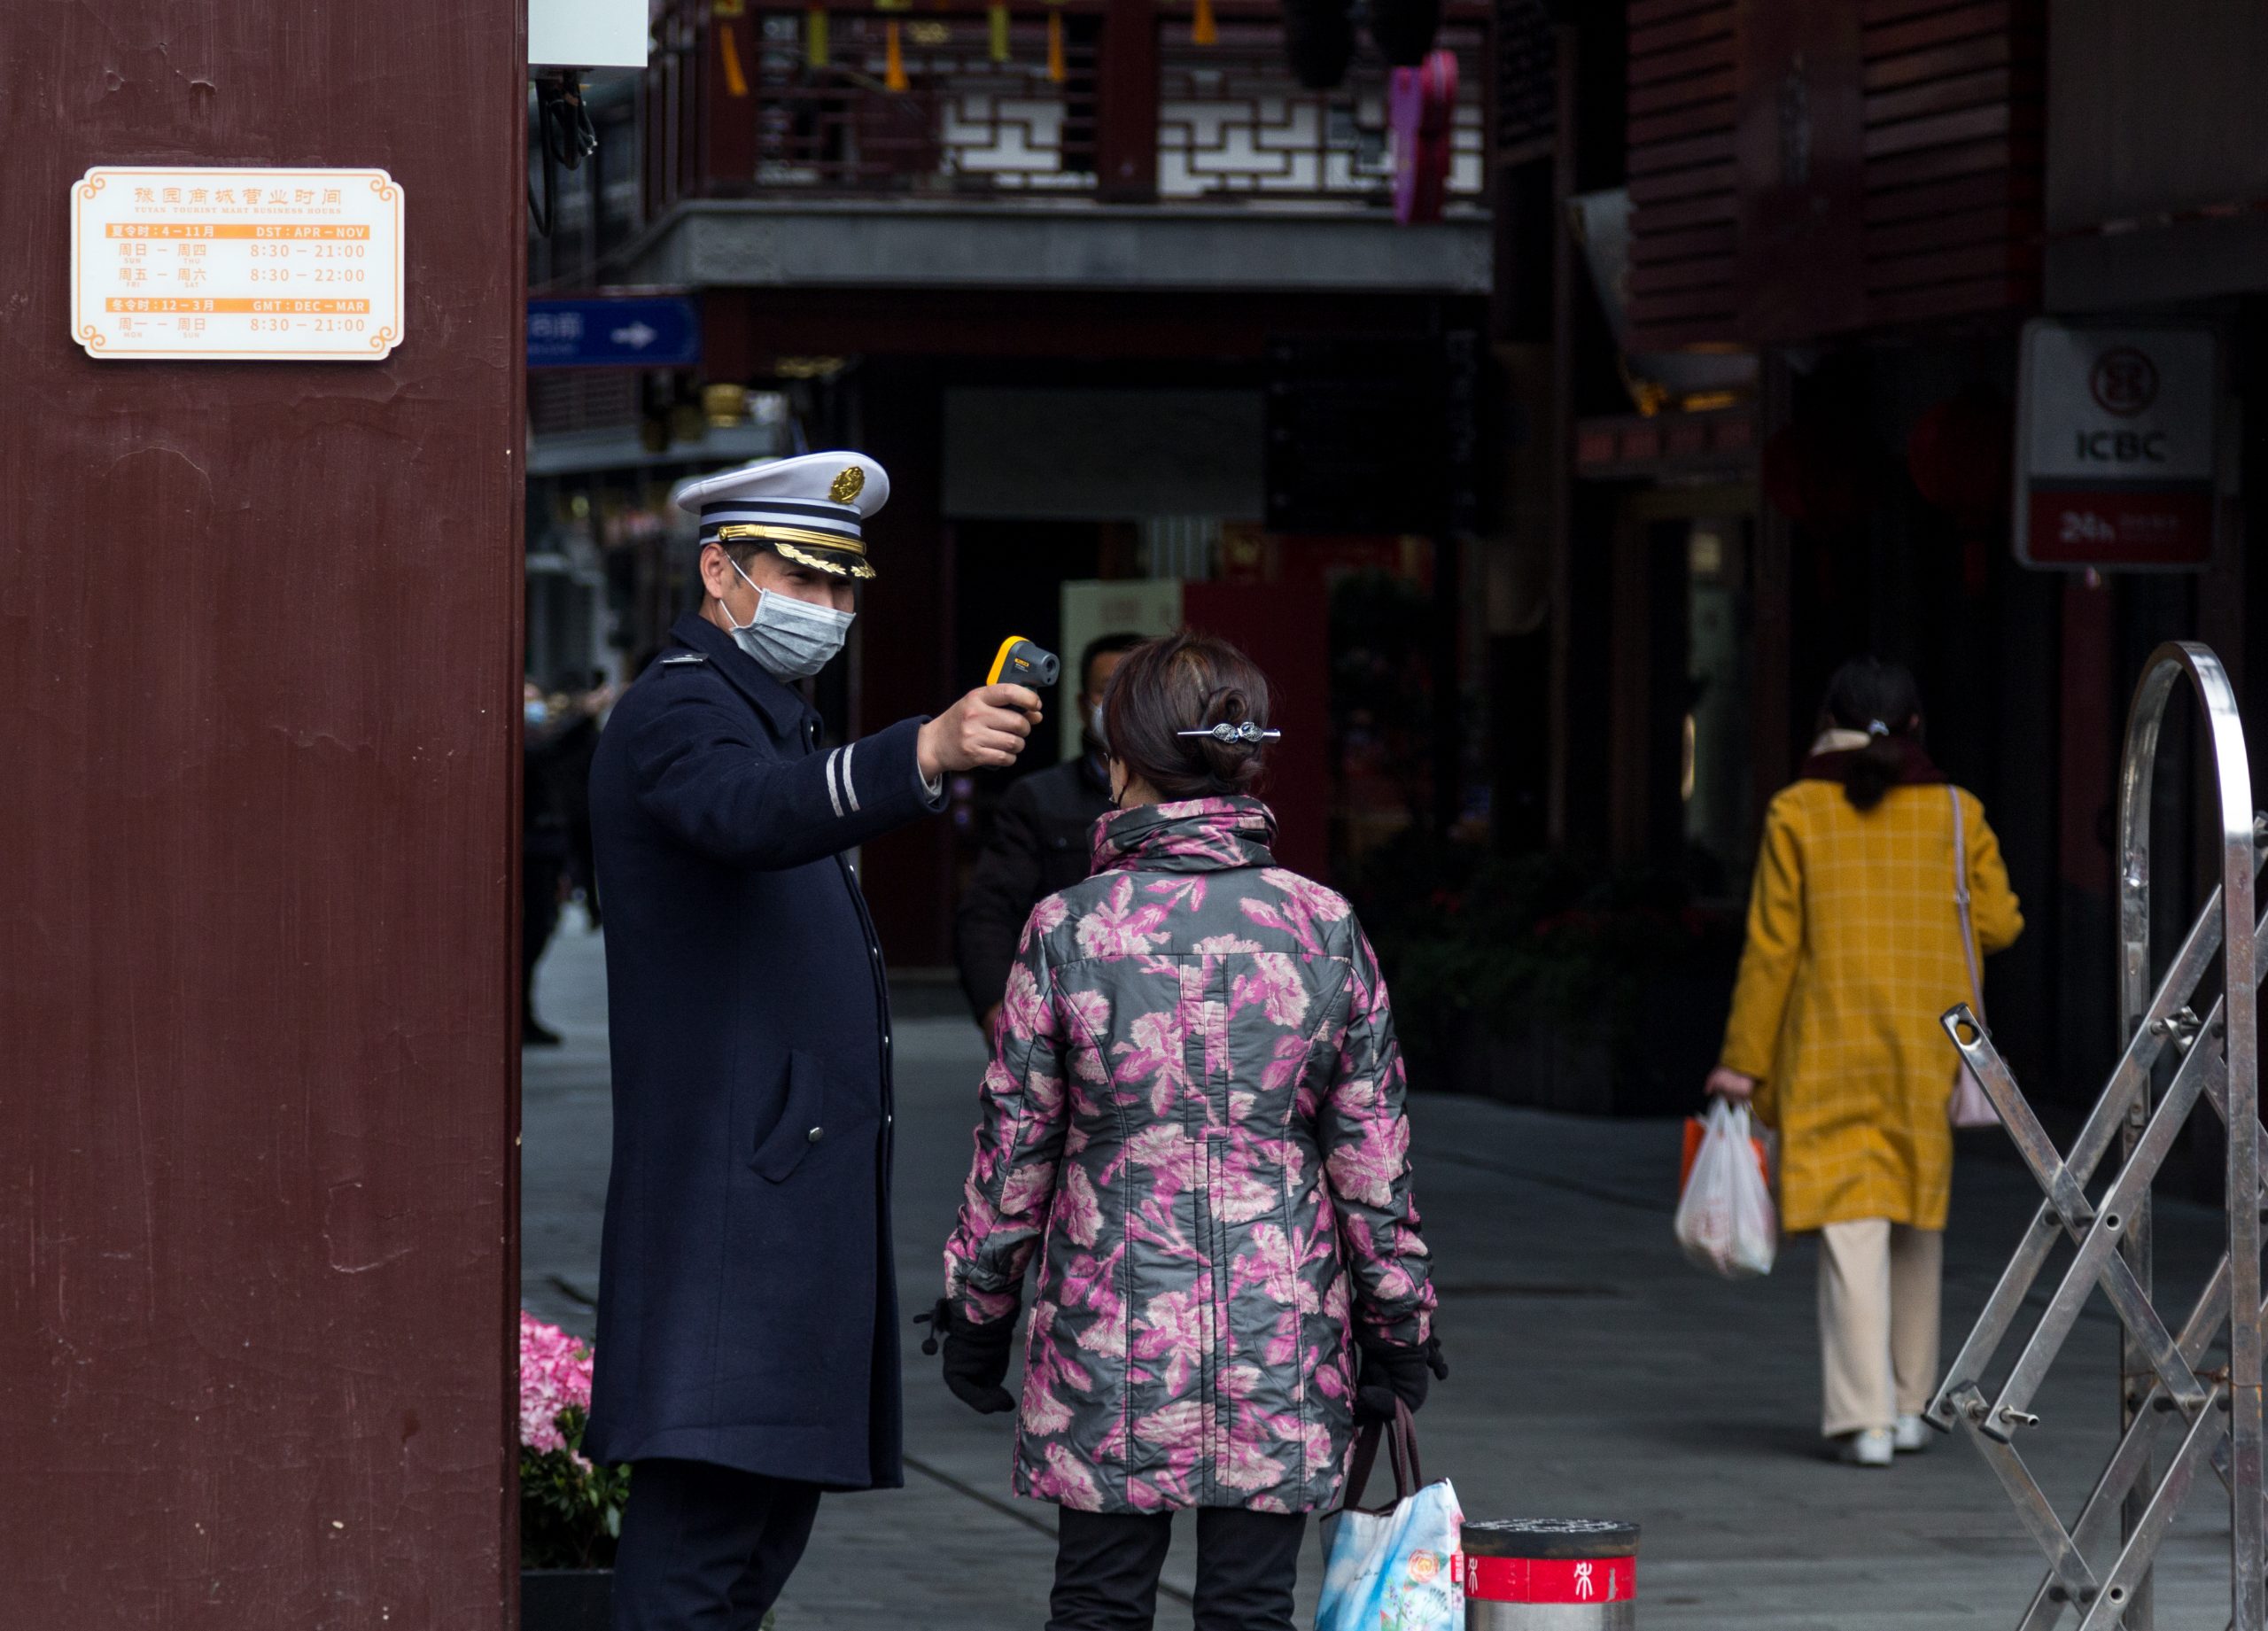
(747, 1311)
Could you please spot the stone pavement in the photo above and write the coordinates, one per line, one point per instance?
(1594, 1373)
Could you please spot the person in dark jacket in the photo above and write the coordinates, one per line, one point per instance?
(747, 1346)
(1038, 843)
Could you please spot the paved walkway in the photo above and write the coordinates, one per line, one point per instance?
(1594, 1373)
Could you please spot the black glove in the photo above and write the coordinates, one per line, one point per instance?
(1389, 1373)
(976, 1356)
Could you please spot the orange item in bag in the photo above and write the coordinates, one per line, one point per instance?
(1696, 1128)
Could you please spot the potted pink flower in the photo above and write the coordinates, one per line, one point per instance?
(571, 1509)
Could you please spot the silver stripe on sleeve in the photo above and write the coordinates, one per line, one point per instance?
(849, 788)
(834, 788)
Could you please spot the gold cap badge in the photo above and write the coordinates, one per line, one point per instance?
(848, 485)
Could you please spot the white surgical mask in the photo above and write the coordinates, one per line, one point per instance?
(791, 639)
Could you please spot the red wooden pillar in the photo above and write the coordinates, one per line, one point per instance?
(728, 102)
(1126, 136)
(257, 958)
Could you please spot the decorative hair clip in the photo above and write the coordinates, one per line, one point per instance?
(1875, 727)
(1245, 731)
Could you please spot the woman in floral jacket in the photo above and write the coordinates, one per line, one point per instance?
(1195, 1112)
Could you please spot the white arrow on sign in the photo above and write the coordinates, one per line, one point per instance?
(637, 336)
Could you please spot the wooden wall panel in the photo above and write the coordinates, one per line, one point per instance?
(1950, 183)
(1682, 108)
(1955, 111)
(258, 958)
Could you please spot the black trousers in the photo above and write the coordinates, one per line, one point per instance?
(707, 1548)
(1106, 1567)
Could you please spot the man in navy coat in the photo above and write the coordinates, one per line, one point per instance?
(747, 1353)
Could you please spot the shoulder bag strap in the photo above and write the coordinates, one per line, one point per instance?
(1401, 1439)
(1961, 900)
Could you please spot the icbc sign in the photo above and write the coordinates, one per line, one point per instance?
(2116, 438)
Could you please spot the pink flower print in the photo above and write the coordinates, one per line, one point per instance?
(1042, 1414)
(1287, 1060)
(1176, 1429)
(987, 1306)
(1027, 1188)
(1117, 928)
(1164, 1366)
(1023, 1006)
(1226, 945)
(1364, 1170)
(1154, 1054)
(1325, 905)
(1186, 894)
(1268, 1265)
(1045, 918)
(1275, 983)
(1062, 1478)
(1045, 1091)
(1088, 1013)
(1078, 1214)
(1090, 1285)
(1175, 1326)
(1242, 1192)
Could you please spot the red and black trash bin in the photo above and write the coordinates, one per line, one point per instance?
(1550, 1574)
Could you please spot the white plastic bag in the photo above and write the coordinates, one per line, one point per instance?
(1395, 1566)
(1725, 1219)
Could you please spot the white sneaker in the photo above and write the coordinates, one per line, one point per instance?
(1911, 1436)
(1874, 1447)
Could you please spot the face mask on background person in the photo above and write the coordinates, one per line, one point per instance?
(1094, 726)
(537, 712)
(791, 639)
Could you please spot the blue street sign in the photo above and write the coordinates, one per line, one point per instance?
(634, 333)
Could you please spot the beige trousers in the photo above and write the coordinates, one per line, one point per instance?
(1877, 1321)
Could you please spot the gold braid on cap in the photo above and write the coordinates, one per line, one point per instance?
(783, 540)
(858, 569)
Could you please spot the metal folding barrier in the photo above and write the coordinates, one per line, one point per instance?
(2100, 1567)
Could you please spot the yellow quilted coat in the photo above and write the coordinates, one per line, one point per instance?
(1853, 952)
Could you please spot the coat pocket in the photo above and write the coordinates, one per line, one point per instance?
(781, 1150)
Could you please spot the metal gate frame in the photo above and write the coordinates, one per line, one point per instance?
(2215, 1413)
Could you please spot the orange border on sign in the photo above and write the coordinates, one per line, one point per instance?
(98, 344)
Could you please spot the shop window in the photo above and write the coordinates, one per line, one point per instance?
(1715, 783)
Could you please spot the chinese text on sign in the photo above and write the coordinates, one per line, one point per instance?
(237, 264)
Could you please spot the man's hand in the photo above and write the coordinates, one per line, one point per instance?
(1731, 1084)
(985, 729)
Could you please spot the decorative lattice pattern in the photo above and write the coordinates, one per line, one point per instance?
(1233, 122)
(963, 123)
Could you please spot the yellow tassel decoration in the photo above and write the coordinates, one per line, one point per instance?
(735, 77)
(1056, 71)
(815, 37)
(998, 17)
(894, 62)
(1202, 28)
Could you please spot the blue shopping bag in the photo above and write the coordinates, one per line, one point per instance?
(1394, 1567)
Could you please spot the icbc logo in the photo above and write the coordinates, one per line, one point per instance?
(2124, 381)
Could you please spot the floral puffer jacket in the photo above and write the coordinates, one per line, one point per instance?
(1195, 1109)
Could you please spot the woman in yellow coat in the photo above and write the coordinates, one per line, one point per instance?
(1854, 951)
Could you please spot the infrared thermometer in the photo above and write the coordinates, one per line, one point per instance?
(1020, 661)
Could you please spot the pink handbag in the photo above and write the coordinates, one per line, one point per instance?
(1969, 1107)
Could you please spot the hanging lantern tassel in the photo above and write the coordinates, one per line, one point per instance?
(998, 17)
(815, 36)
(1056, 72)
(1202, 29)
(894, 59)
